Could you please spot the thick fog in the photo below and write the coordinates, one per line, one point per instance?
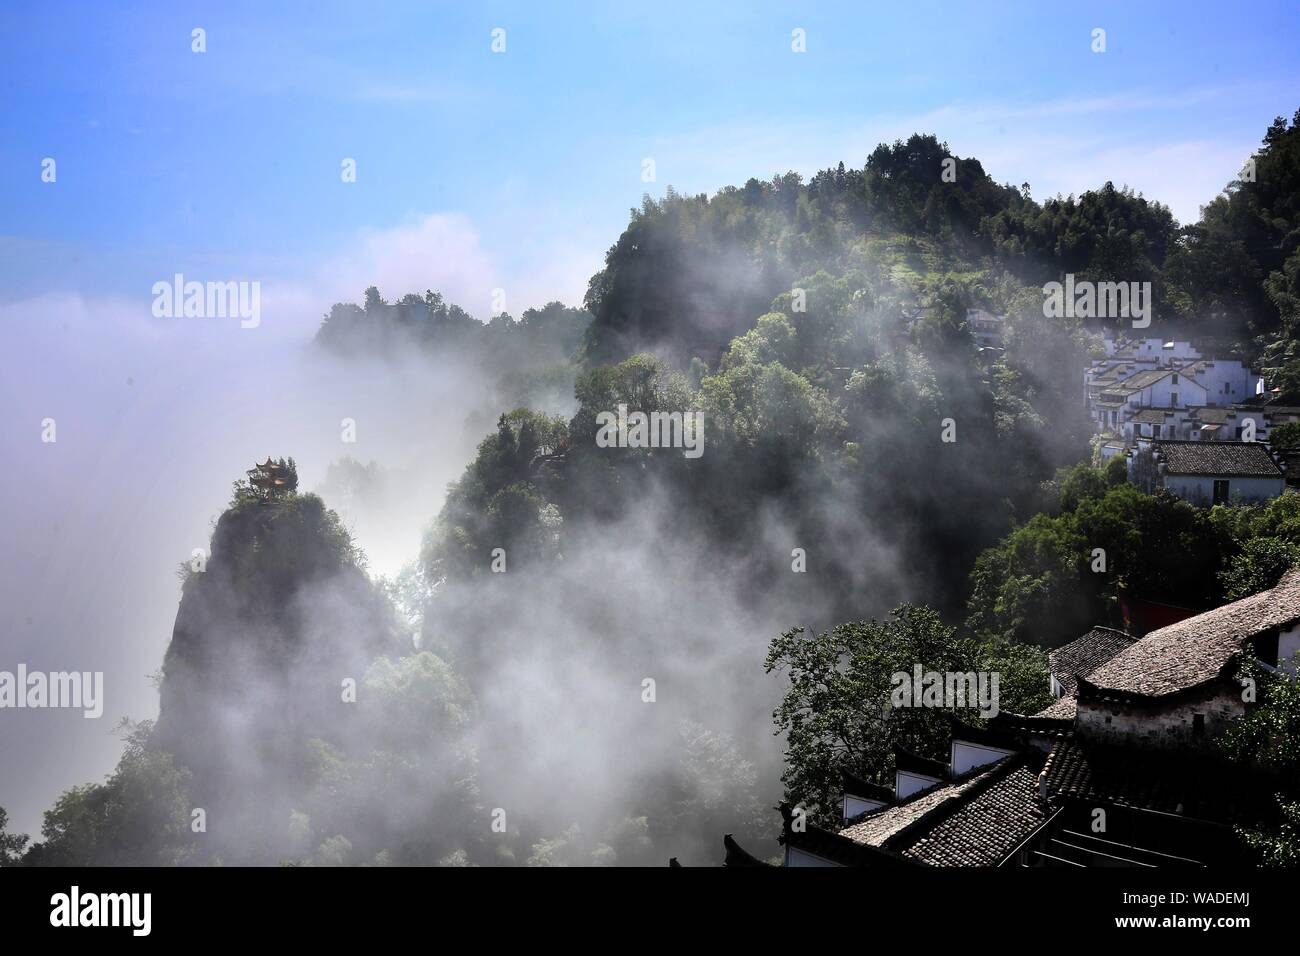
(154, 420)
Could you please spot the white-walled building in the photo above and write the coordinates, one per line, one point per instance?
(1155, 388)
(1209, 472)
(1163, 388)
(1235, 423)
(1158, 351)
(1156, 423)
(985, 327)
(1226, 381)
(1150, 389)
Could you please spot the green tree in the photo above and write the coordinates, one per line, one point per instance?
(412, 755)
(1258, 567)
(1286, 435)
(140, 816)
(837, 714)
(12, 845)
(1268, 737)
(1024, 679)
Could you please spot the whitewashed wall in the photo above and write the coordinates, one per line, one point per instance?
(1200, 490)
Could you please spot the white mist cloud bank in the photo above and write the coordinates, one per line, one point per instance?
(447, 252)
(440, 251)
(154, 419)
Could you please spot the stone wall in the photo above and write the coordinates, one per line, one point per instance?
(1171, 726)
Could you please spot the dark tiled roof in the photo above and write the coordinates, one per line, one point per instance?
(1115, 373)
(1089, 772)
(836, 848)
(875, 828)
(981, 827)
(1151, 416)
(990, 735)
(1144, 379)
(1183, 783)
(1245, 459)
(1212, 415)
(1083, 655)
(1197, 649)
(1041, 724)
(1063, 709)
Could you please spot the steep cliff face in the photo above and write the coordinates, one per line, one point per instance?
(265, 637)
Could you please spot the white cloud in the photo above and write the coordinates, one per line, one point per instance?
(445, 252)
(440, 251)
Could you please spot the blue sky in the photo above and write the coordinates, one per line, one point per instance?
(516, 170)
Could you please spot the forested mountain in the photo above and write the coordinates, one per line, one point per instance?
(696, 270)
(1241, 263)
(860, 452)
(854, 421)
(540, 337)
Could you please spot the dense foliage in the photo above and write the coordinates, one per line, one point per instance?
(1232, 278)
(838, 713)
(1046, 583)
(1268, 737)
(430, 325)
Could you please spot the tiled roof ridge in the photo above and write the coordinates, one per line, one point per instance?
(859, 817)
(1191, 653)
(1083, 655)
(1204, 444)
(850, 782)
(1116, 631)
(974, 773)
(925, 766)
(1091, 693)
(929, 791)
(1052, 757)
(829, 844)
(985, 778)
(1034, 724)
(1062, 709)
(1164, 372)
(1090, 632)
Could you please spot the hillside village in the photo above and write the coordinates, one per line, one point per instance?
(1159, 404)
(1196, 425)
(1123, 768)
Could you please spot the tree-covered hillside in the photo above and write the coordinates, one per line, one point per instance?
(430, 325)
(873, 488)
(691, 272)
